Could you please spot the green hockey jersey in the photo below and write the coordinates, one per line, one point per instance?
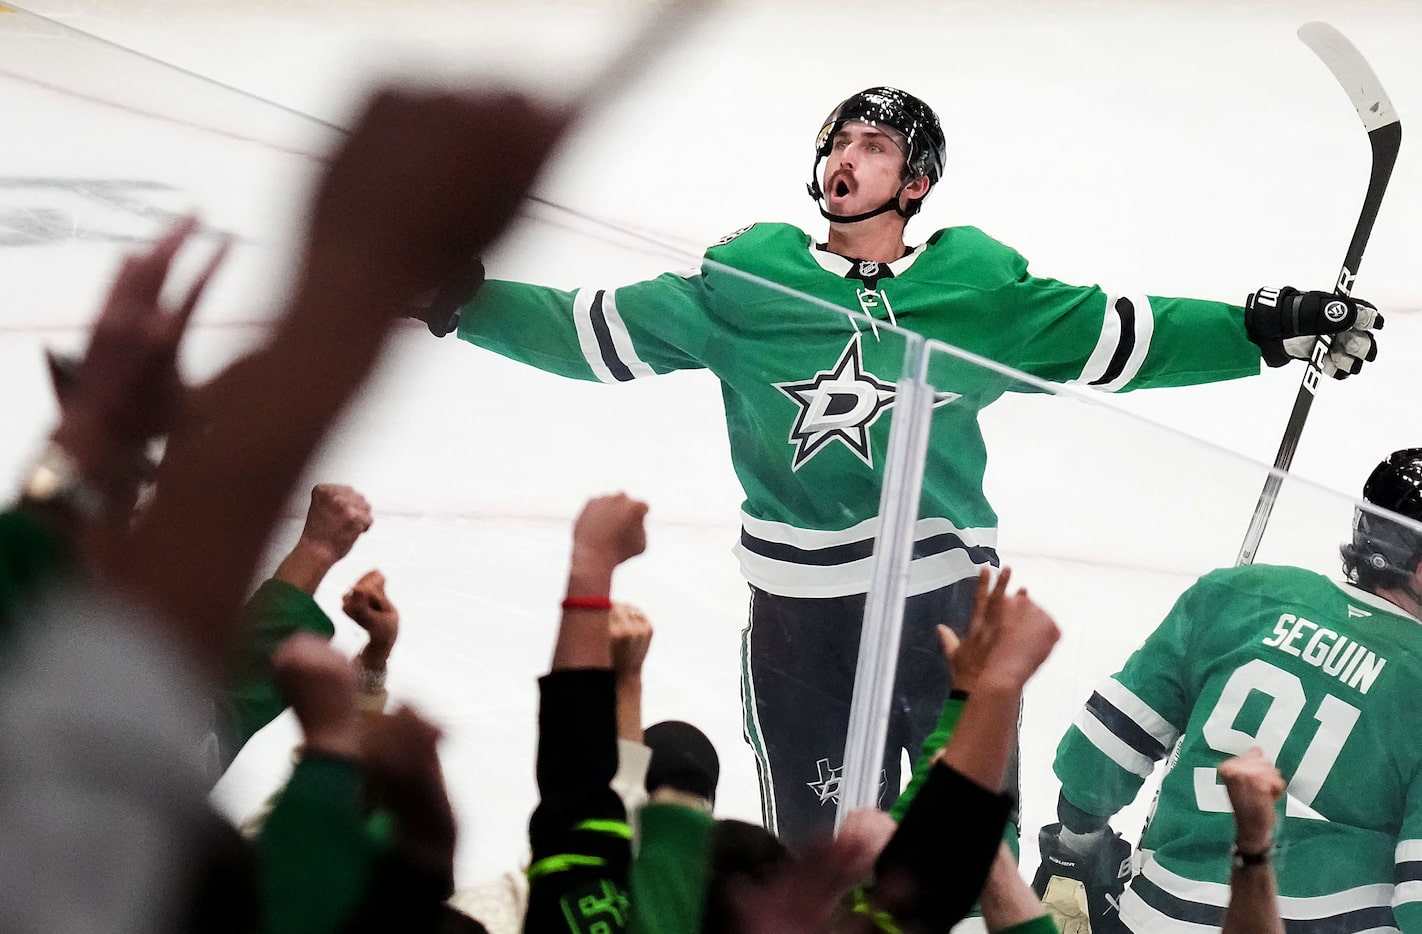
(809, 390)
(1326, 679)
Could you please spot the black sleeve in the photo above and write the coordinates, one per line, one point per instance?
(578, 833)
(934, 867)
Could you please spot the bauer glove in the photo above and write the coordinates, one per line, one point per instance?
(1082, 891)
(1285, 323)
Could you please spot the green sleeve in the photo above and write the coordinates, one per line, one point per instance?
(669, 873)
(275, 612)
(1407, 896)
(1043, 924)
(612, 335)
(947, 720)
(30, 556)
(1082, 334)
(1132, 720)
(315, 850)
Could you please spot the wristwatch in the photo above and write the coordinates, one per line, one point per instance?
(1243, 859)
(56, 481)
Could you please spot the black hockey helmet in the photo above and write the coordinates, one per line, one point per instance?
(909, 117)
(1384, 552)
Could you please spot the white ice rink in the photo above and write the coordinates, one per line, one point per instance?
(1190, 148)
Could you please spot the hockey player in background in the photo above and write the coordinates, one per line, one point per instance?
(805, 388)
(1324, 678)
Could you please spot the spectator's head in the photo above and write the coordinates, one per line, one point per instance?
(682, 759)
(742, 857)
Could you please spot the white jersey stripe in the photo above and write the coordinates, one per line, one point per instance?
(587, 336)
(794, 562)
(789, 579)
(1138, 710)
(621, 340)
(1127, 327)
(785, 534)
(595, 308)
(1141, 918)
(1111, 745)
(1405, 893)
(1292, 908)
(1408, 851)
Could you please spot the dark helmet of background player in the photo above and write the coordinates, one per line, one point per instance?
(907, 116)
(1384, 552)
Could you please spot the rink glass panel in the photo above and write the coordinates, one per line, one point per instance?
(1107, 517)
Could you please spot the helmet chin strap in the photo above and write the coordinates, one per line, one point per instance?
(891, 205)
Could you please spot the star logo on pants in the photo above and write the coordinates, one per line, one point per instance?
(841, 404)
(827, 788)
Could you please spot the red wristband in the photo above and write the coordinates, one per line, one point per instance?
(587, 603)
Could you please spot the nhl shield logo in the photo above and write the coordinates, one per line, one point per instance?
(868, 269)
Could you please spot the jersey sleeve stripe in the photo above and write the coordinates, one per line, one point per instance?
(587, 334)
(1145, 716)
(622, 340)
(604, 340)
(1126, 330)
(1112, 746)
(1127, 730)
(1407, 892)
(1408, 851)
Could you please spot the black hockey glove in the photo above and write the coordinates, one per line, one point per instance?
(1285, 323)
(440, 312)
(1082, 891)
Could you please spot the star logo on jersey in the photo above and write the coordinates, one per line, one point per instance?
(841, 404)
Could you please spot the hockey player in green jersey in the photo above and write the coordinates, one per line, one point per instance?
(804, 388)
(1324, 678)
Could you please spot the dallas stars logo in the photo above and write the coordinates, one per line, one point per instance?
(827, 788)
(841, 404)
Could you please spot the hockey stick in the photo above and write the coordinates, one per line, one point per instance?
(1384, 130)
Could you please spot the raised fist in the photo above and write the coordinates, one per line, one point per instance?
(610, 529)
(1254, 786)
(367, 604)
(337, 517)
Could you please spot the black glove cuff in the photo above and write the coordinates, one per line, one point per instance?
(1076, 820)
(1273, 353)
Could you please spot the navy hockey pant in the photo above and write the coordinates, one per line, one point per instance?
(797, 677)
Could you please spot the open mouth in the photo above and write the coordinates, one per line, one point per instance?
(840, 187)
